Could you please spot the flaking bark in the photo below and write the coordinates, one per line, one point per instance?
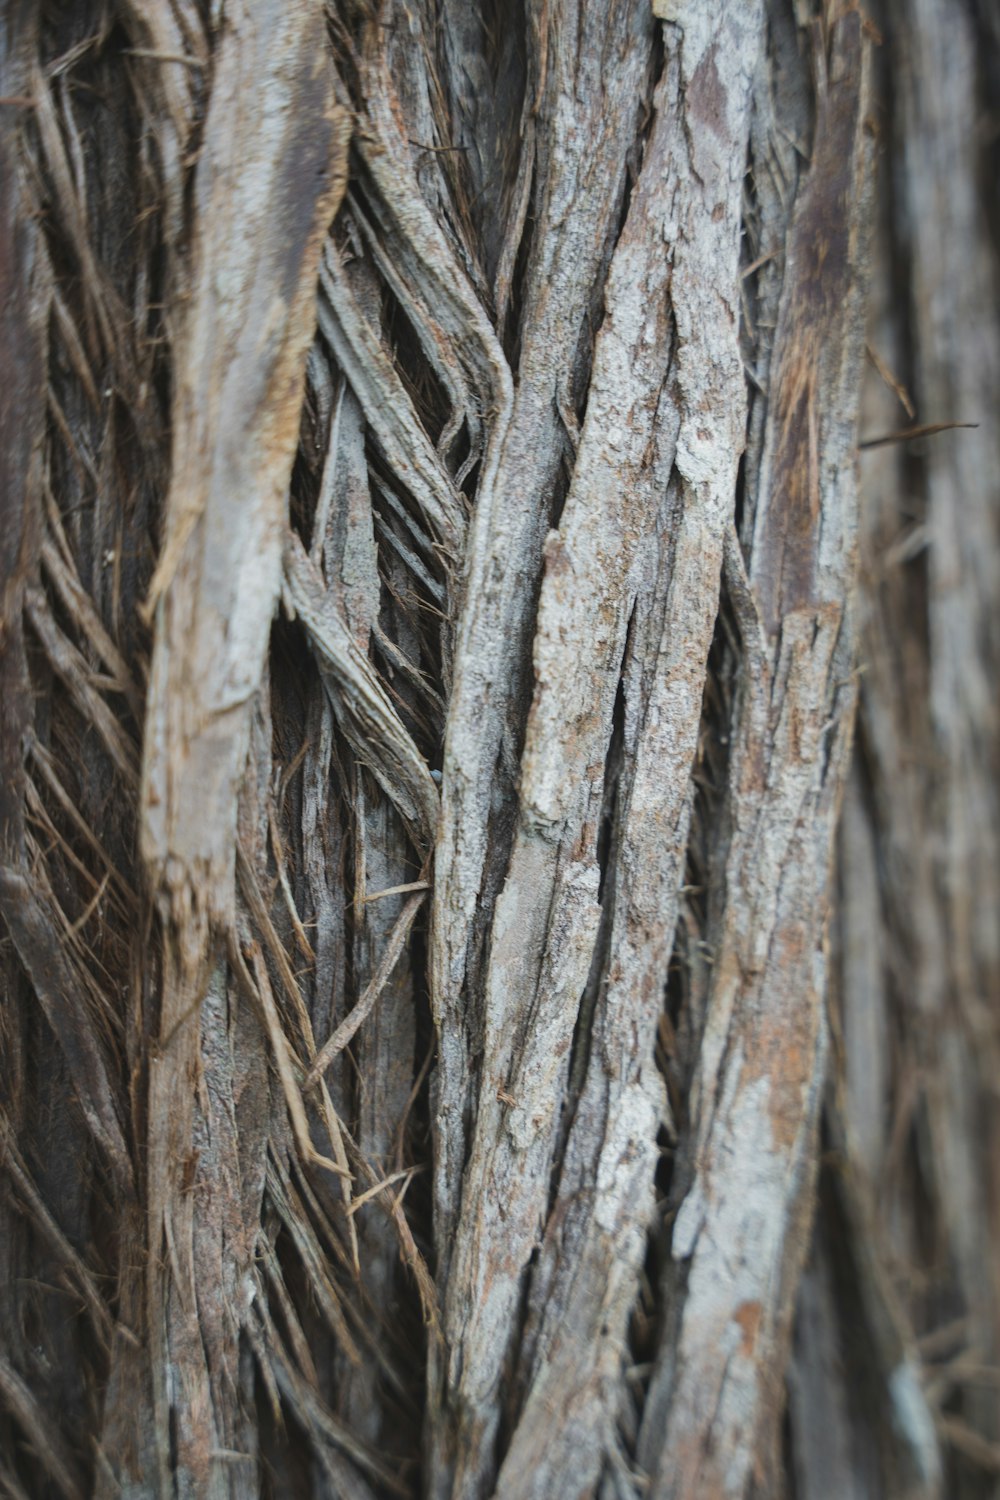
(448, 1047)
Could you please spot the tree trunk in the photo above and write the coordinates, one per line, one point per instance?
(499, 839)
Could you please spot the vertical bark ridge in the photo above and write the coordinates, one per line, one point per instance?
(743, 1191)
(580, 139)
(666, 352)
(429, 670)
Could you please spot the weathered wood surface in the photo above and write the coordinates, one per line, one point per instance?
(432, 642)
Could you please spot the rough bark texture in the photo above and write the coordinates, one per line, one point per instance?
(499, 840)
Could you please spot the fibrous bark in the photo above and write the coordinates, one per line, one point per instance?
(432, 644)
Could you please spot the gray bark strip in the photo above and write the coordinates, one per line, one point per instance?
(664, 317)
(585, 126)
(596, 1234)
(455, 332)
(484, 81)
(240, 359)
(388, 410)
(739, 1237)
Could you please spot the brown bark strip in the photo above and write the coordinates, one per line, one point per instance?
(25, 297)
(162, 31)
(75, 1266)
(72, 667)
(792, 539)
(271, 173)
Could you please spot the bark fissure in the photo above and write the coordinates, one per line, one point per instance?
(451, 943)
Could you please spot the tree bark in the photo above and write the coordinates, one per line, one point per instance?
(499, 840)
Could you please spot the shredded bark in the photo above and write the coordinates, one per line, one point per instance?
(479, 1019)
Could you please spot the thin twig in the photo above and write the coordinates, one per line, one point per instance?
(925, 429)
(347, 1028)
(399, 890)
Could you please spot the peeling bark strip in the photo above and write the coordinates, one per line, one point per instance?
(270, 175)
